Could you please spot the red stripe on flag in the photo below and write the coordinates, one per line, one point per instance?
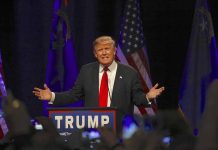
(146, 65)
(145, 61)
(66, 2)
(132, 63)
(1, 133)
(145, 87)
(142, 110)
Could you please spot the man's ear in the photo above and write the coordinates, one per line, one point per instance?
(94, 53)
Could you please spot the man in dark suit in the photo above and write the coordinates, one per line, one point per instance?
(124, 89)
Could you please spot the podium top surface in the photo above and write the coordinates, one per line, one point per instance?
(80, 108)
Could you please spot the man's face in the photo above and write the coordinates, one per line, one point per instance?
(105, 53)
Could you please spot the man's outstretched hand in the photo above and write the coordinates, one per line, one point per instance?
(154, 92)
(42, 94)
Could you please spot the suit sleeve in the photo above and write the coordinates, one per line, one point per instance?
(72, 95)
(138, 95)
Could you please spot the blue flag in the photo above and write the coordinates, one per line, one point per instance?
(201, 65)
(61, 67)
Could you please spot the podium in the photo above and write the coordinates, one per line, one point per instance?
(67, 120)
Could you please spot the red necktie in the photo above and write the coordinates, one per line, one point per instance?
(103, 93)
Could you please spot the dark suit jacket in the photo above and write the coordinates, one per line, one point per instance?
(127, 89)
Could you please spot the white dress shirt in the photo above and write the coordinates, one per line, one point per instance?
(111, 73)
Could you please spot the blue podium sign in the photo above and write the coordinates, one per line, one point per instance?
(67, 120)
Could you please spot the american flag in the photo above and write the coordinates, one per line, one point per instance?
(3, 127)
(131, 48)
(3, 92)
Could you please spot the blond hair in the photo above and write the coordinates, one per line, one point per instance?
(103, 39)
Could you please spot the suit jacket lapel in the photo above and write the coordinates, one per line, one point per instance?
(116, 84)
